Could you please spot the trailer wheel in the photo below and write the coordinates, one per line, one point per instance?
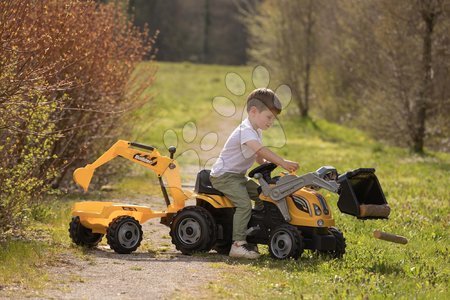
(124, 234)
(285, 241)
(193, 229)
(81, 235)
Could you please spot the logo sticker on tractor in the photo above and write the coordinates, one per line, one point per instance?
(129, 208)
(151, 161)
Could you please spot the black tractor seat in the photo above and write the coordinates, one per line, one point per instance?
(203, 184)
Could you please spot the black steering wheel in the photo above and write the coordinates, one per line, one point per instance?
(265, 170)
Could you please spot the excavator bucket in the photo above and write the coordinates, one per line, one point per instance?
(360, 195)
(83, 176)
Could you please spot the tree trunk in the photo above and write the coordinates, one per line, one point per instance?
(429, 17)
(308, 59)
(205, 55)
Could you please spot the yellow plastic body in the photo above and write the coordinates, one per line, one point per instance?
(97, 215)
(216, 201)
(302, 218)
(298, 217)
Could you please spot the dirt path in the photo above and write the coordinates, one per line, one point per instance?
(155, 271)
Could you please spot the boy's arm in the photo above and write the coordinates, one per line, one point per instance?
(259, 159)
(267, 154)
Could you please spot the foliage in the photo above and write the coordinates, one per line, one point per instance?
(283, 35)
(23, 154)
(64, 70)
(379, 65)
(394, 61)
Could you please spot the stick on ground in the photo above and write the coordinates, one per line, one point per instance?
(390, 237)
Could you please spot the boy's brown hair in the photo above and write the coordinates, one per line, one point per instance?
(262, 99)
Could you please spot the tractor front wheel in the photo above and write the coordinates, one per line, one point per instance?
(193, 229)
(81, 235)
(124, 234)
(339, 251)
(285, 242)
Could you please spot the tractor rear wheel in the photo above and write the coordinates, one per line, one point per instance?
(124, 234)
(193, 229)
(81, 235)
(285, 242)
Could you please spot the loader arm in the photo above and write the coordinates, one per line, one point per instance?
(146, 156)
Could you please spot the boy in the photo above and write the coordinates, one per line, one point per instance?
(242, 148)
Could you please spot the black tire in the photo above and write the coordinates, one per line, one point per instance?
(124, 234)
(286, 241)
(193, 229)
(225, 221)
(223, 247)
(81, 235)
(339, 251)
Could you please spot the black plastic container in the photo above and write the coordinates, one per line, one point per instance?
(359, 187)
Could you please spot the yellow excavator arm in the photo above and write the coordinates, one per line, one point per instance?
(147, 156)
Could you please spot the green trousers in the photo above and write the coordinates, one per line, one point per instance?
(240, 190)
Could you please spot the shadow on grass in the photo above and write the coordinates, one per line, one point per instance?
(152, 255)
(307, 262)
(386, 268)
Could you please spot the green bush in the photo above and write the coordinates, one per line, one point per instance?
(65, 87)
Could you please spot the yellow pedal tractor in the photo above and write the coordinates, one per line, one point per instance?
(295, 216)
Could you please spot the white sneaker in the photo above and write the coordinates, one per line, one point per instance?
(241, 249)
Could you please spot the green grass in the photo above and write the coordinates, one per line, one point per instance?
(182, 93)
(24, 261)
(416, 187)
(20, 261)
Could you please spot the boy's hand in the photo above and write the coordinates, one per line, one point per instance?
(290, 166)
(268, 155)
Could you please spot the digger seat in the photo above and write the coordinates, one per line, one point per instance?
(203, 184)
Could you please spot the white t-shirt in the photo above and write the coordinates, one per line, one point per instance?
(236, 157)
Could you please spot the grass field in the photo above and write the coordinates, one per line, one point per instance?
(24, 261)
(417, 191)
(416, 187)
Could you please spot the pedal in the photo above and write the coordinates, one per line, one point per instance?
(252, 230)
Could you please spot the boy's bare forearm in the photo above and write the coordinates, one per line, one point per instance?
(260, 160)
(267, 154)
